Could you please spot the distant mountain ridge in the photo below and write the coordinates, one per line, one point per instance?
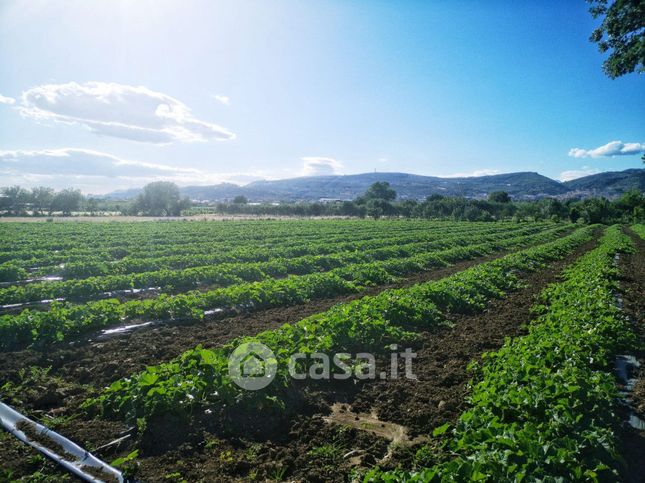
(524, 185)
(610, 183)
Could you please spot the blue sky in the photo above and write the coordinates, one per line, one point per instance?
(112, 94)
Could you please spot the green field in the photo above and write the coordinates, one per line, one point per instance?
(127, 328)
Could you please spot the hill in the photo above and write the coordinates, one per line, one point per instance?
(525, 185)
(610, 183)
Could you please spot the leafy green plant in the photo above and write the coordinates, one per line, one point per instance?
(64, 320)
(278, 473)
(199, 378)
(331, 451)
(544, 407)
(119, 462)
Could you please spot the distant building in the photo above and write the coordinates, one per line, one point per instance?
(330, 200)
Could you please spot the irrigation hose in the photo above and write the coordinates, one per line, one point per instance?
(75, 459)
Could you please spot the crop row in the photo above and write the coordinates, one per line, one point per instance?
(186, 256)
(198, 383)
(83, 262)
(127, 241)
(66, 236)
(95, 249)
(545, 406)
(230, 273)
(65, 320)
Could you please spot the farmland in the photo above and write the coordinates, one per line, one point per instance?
(123, 331)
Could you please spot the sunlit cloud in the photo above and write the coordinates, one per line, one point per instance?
(72, 161)
(98, 172)
(222, 99)
(10, 101)
(614, 148)
(477, 172)
(577, 173)
(320, 166)
(122, 111)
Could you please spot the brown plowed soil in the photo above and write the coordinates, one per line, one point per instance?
(632, 283)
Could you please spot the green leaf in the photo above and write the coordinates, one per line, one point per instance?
(441, 430)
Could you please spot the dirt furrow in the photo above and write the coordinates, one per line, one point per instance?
(99, 363)
(632, 283)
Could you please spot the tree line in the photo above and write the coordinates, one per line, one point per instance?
(156, 199)
(15, 200)
(379, 201)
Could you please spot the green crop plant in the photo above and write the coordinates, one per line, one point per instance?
(544, 407)
(199, 379)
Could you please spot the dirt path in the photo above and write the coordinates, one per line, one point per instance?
(632, 282)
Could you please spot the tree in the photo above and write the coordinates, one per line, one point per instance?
(407, 208)
(41, 198)
(67, 201)
(92, 206)
(161, 198)
(15, 199)
(378, 191)
(622, 32)
(574, 213)
(377, 207)
(349, 208)
(472, 213)
(183, 204)
(315, 209)
(631, 205)
(499, 197)
(240, 200)
(553, 209)
(595, 210)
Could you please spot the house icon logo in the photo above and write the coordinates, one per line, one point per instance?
(252, 366)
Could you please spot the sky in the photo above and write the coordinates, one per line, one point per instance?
(105, 95)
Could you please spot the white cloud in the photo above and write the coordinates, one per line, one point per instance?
(245, 178)
(577, 173)
(319, 166)
(80, 162)
(222, 99)
(97, 172)
(7, 100)
(135, 113)
(614, 148)
(477, 172)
